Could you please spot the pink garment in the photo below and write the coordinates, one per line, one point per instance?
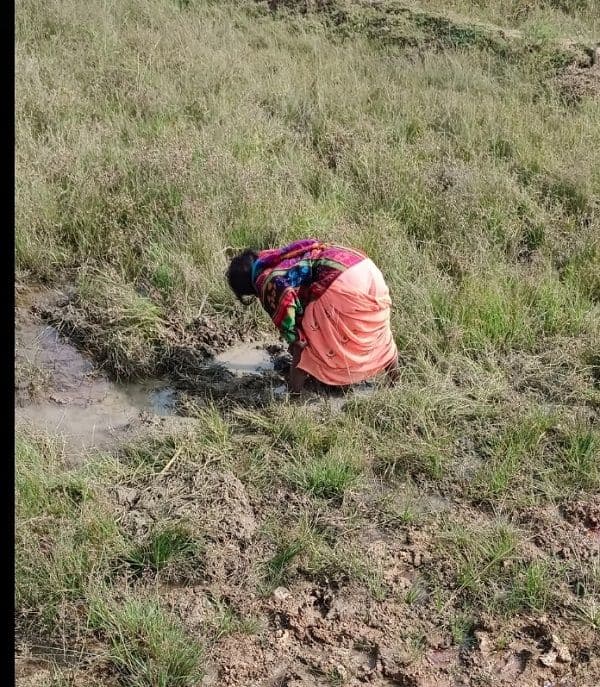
(348, 328)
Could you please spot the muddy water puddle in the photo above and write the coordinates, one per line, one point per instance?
(268, 362)
(246, 359)
(67, 396)
(60, 390)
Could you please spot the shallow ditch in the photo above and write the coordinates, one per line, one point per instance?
(60, 390)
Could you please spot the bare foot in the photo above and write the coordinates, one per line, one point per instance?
(297, 379)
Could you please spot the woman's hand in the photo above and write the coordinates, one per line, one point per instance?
(297, 345)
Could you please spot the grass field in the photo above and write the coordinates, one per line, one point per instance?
(444, 532)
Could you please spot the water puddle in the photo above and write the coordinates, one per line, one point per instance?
(246, 359)
(66, 395)
(268, 364)
(90, 420)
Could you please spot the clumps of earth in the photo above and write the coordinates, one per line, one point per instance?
(320, 630)
(581, 80)
(210, 504)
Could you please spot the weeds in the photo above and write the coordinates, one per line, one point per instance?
(534, 459)
(483, 558)
(397, 510)
(171, 546)
(589, 613)
(461, 629)
(491, 571)
(226, 621)
(328, 476)
(65, 536)
(277, 567)
(416, 594)
(532, 588)
(147, 646)
(208, 442)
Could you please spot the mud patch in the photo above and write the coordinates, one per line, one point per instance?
(255, 375)
(59, 390)
(214, 505)
(215, 502)
(153, 346)
(584, 512)
(248, 374)
(581, 81)
(214, 384)
(98, 413)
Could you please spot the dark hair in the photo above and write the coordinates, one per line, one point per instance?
(239, 274)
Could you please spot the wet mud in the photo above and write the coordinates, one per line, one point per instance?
(59, 390)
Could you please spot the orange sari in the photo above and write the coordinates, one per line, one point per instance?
(348, 328)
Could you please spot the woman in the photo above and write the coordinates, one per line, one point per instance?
(331, 305)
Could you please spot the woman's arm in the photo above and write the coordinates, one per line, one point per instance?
(286, 317)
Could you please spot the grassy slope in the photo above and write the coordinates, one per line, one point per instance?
(151, 138)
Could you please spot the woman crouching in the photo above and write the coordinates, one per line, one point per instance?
(331, 305)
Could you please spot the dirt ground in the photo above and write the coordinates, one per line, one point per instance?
(316, 632)
(581, 80)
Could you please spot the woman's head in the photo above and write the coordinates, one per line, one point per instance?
(239, 274)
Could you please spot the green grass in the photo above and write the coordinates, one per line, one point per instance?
(328, 476)
(398, 510)
(277, 568)
(532, 588)
(579, 464)
(168, 546)
(461, 629)
(540, 456)
(206, 442)
(503, 312)
(416, 594)
(226, 621)
(65, 535)
(67, 541)
(493, 574)
(294, 544)
(305, 547)
(153, 138)
(147, 646)
(380, 151)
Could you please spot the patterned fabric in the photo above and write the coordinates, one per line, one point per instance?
(288, 279)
